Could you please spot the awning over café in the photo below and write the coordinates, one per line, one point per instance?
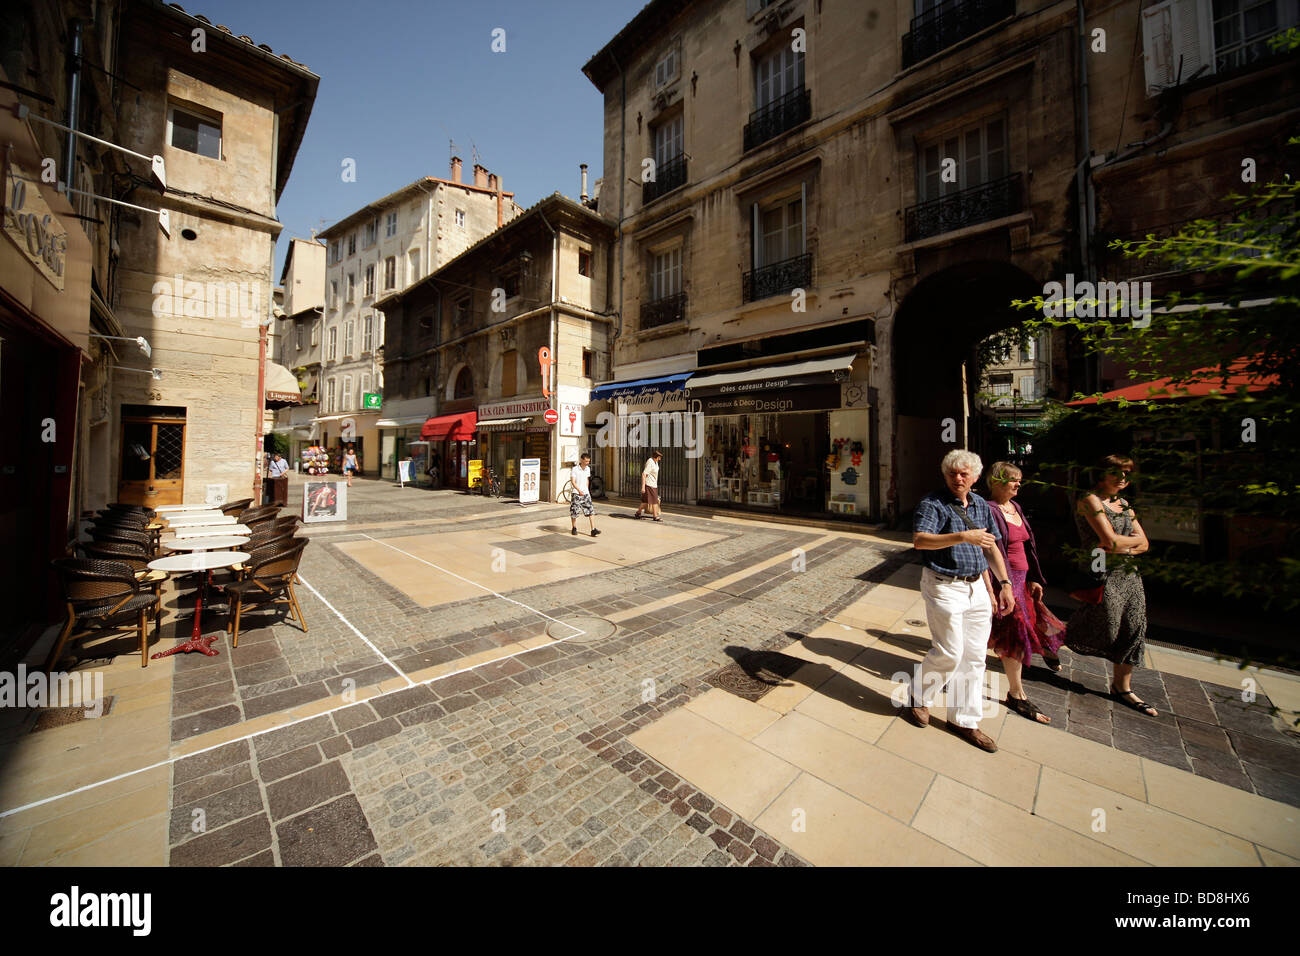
(450, 427)
(502, 424)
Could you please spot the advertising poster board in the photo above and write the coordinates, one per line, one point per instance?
(475, 473)
(324, 501)
(530, 480)
(403, 472)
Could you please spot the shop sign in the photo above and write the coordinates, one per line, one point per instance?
(759, 385)
(538, 429)
(650, 401)
(816, 398)
(33, 227)
(570, 421)
(521, 409)
(372, 400)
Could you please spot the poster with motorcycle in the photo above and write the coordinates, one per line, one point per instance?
(324, 501)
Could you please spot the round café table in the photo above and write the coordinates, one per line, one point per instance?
(202, 563)
(202, 522)
(205, 543)
(175, 509)
(218, 530)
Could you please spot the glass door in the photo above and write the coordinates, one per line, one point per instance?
(152, 469)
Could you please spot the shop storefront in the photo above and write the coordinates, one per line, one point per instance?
(509, 431)
(445, 444)
(395, 435)
(790, 438)
(644, 422)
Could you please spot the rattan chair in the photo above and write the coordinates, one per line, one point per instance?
(105, 596)
(123, 535)
(269, 577)
(235, 507)
(133, 556)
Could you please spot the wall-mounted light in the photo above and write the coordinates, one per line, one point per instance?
(155, 372)
(139, 340)
(157, 171)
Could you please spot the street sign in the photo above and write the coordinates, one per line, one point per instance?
(570, 421)
(551, 416)
(372, 400)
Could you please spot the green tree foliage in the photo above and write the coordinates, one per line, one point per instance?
(1226, 463)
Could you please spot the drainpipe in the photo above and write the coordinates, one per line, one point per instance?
(622, 181)
(1087, 212)
(555, 345)
(74, 102)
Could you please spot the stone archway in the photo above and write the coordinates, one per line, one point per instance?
(936, 334)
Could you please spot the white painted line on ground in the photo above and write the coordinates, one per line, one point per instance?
(363, 637)
(483, 587)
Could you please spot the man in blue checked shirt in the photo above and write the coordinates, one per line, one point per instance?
(954, 529)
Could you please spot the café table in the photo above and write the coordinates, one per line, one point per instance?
(173, 509)
(203, 522)
(213, 531)
(202, 563)
(206, 543)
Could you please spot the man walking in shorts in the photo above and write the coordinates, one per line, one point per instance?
(650, 487)
(581, 500)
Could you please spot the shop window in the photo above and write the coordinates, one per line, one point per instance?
(509, 366)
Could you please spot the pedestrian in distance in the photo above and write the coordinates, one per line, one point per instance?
(350, 465)
(1031, 628)
(278, 466)
(958, 537)
(1114, 628)
(650, 487)
(580, 502)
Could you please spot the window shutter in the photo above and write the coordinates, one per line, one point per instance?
(1157, 45)
(754, 256)
(1176, 32)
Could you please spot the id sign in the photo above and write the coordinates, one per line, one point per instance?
(530, 480)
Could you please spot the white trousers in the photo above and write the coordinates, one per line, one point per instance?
(960, 618)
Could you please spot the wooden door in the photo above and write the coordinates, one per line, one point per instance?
(153, 462)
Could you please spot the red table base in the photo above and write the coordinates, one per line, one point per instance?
(197, 641)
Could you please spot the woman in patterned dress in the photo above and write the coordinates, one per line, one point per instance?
(1116, 627)
(1031, 628)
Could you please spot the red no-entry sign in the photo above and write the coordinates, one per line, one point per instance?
(551, 416)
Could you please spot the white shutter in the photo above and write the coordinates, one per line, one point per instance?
(803, 212)
(1176, 32)
(758, 238)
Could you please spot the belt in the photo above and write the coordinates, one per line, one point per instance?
(953, 578)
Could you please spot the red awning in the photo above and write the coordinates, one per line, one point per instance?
(1161, 390)
(450, 427)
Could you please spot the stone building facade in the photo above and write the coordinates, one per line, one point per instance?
(470, 337)
(298, 337)
(870, 187)
(372, 253)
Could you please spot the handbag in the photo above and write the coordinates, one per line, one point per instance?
(1086, 587)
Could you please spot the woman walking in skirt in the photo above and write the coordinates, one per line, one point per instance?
(1116, 627)
(1031, 628)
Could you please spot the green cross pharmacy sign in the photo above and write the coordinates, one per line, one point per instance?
(372, 400)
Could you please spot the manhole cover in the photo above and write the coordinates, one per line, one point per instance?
(581, 630)
(754, 674)
(915, 623)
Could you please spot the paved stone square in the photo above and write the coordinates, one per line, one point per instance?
(441, 711)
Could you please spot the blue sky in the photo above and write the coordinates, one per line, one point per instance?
(401, 77)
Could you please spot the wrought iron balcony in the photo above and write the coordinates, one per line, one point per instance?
(667, 178)
(665, 311)
(950, 22)
(993, 200)
(782, 114)
(780, 278)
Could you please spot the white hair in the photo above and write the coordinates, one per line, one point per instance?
(961, 458)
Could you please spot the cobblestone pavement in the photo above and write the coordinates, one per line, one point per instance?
(525, 760)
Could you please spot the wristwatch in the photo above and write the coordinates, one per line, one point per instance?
(1003, 584)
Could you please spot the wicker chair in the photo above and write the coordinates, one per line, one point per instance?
(235, 507)
(143, 539)
(134, 557)
(269, 580)
(105, 596)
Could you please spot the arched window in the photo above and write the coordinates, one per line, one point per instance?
(464, 384)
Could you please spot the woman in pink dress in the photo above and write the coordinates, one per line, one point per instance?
(1031, 628)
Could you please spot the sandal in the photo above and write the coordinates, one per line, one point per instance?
(1025, 708)
(1053, 664)
(1141, 706)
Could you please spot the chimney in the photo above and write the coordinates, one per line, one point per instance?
(583, 167)
(493, 182)
(455, 169)
(480, 176)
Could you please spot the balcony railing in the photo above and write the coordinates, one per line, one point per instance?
(780, 278)
(782, 114)
(993, 200)
(941, 27)
(667, 178)
(665, 311)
